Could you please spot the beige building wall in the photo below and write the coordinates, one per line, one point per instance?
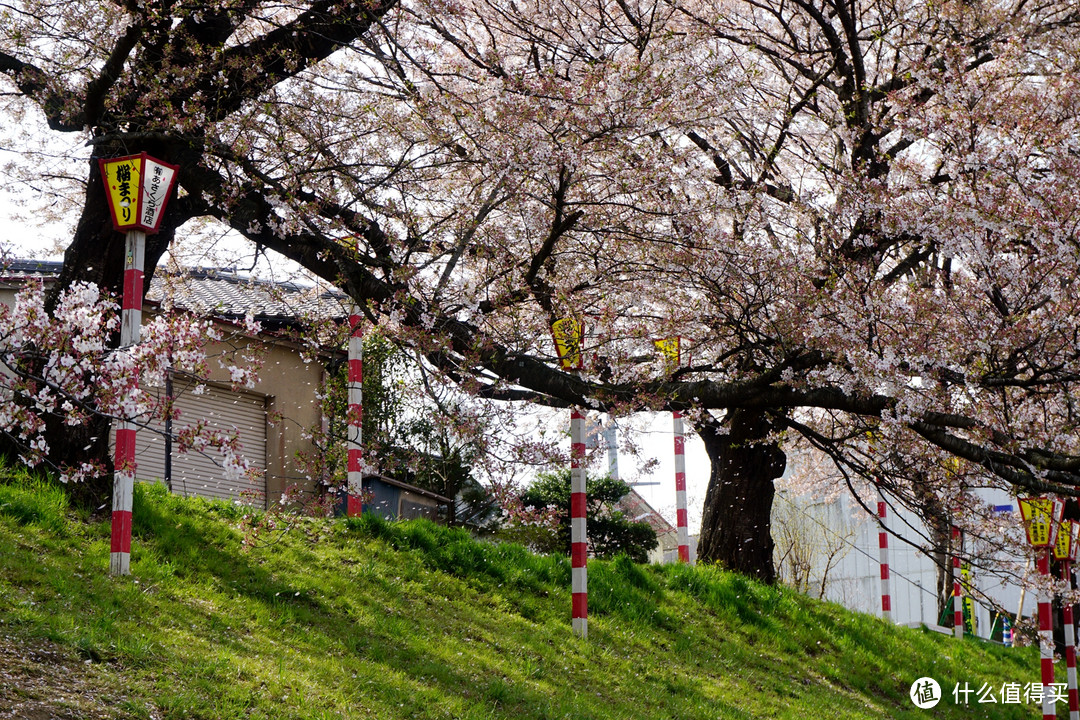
(289, 383)
(290, 387)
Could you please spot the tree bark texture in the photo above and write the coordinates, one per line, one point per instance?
(736, 524)
(932, 510)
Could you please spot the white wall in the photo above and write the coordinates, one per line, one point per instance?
(855, 581)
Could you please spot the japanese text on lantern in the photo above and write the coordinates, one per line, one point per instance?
(153, 192)
(1041, 516)
(1063, 542)
(569, 336)
(137, 188)
(121, 178)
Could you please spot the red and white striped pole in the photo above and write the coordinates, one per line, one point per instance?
(682, 531)
(883, 557)
(1046, 635)
(355, 480)
(1070, 643)
(124, 454)
(579, 548)
(958, 588)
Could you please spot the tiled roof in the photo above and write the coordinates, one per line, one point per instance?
(221, 292)
(637, 509)
(32, 268)
(224, 293)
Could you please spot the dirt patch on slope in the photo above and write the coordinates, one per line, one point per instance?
(40, 680)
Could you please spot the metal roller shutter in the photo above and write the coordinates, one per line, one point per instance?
(200, 473)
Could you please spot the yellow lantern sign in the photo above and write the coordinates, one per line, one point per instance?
(137, 188)
(971, 619)
(569, 336)
(670, 349)
(1042, 517)
(1063, 542)
(1067, 542)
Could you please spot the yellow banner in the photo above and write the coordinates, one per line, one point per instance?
(1040, 519)
(971, 622)
(122, 183)
(670, 349)
(569, 336)
(1064, 542)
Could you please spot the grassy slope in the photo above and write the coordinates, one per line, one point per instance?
(415, 621)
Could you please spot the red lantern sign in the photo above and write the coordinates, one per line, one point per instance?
(138, 188)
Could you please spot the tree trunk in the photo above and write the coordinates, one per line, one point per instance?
(736, 524)
(932, 511)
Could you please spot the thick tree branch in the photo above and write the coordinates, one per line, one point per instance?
(35, 84)
(254, 67)
(98, 89)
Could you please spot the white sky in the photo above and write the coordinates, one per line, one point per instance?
(653, 432)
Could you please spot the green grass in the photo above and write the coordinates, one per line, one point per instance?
(411, 620)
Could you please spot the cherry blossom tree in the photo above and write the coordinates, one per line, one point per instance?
(57, 368)
(858, 214)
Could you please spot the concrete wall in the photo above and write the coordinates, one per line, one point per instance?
(855, 580)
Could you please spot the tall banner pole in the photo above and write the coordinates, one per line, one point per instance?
(1046, 637)
(1070, 646)
(137, 189)
(1042, 523)
(124, 453)
(883, 557)
(1065, 552)
(958, 588)
(682, 531)
(355, 481)
(670, 351)
(568, 333)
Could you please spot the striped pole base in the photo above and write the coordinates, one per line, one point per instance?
(1070, 646)
(120, 545)
(1046, 639)
(682, 531)
(579, 548)
(958, 588)
(124, 454)
(353, 505)
(883, 557)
